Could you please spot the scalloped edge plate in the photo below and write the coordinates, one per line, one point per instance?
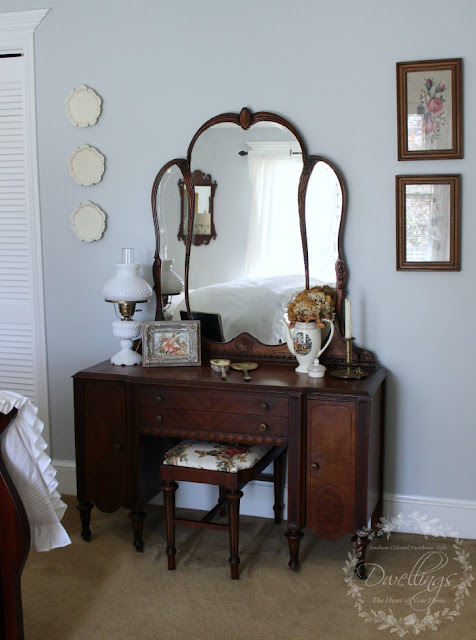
(83, 106)
(88, 222)
(86, 165)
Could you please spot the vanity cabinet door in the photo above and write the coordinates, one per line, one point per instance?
(103, 455)
(330, 467)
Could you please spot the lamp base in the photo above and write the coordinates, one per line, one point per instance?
(126, 356)
(128, 331)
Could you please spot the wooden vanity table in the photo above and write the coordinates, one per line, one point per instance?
(126, 417)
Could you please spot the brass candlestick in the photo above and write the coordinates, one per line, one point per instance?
(349, 371)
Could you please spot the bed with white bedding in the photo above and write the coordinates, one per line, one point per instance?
(252, 305)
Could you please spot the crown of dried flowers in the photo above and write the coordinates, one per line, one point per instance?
(312, 305)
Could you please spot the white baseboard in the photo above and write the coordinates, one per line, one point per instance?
(258, 501)
(460, 515)
(66, 476)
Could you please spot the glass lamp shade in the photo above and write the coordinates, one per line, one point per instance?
(126, 285)
(125, 289)
(171, 284)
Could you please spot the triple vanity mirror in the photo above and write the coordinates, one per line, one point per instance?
(275, 215)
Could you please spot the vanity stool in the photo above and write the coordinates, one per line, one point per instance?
(231, 467)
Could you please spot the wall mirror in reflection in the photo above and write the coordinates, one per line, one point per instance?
(204, 223)
(428, 222)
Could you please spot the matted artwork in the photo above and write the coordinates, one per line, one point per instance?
(429, 107)
(171, 344)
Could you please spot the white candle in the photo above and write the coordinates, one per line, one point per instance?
(347, 314)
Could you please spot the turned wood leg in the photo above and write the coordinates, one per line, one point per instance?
(233, 501)
(85, 509)
(360, 541)
(278, 467)
(294, 540)
(221, 497)
(169, 489)
(137, 516)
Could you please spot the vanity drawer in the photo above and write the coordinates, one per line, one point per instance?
(263, 405)
(170, 420)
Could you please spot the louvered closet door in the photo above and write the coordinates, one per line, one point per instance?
(22, 368)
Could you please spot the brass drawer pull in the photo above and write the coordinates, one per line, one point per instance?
(263, 426)
(158, 399)
(263, 406)
(117, 446)
(314, 466)
(158, 418)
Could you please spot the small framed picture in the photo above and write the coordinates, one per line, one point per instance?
(429, 108)
(171, 344)
(428, 222)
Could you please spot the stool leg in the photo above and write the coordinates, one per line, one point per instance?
(233, 501)
(221, 496)
(278, 470)
(169, 489)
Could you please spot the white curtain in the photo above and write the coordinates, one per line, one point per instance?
(274, 242)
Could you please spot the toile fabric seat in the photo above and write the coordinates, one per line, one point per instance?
(230, 467)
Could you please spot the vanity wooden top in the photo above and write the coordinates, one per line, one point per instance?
(272, 376)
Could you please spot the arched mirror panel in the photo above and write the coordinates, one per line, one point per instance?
(280, 216)
(170, 260)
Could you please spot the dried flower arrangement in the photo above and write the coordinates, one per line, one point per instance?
(312, 305)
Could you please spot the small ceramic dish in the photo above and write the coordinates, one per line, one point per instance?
(221, 365)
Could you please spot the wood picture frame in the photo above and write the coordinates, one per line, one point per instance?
(428, 222)
(430, 109)
(171, 344)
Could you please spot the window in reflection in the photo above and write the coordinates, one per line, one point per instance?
(274, 176)
(427, 222)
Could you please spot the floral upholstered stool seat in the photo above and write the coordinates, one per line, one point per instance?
(230, 467)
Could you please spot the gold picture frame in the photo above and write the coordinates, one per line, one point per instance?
(430, 109)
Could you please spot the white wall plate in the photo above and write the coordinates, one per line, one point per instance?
(88, 222)
(83, 106)
(86, 165)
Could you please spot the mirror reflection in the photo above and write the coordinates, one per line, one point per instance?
(247, 276)
(204, 222)
(173, 262)
(324, 206)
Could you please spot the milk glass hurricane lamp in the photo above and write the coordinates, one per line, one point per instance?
(125, 290)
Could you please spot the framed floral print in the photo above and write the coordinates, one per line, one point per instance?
(428, 222)
(429, 108)
(171, 344)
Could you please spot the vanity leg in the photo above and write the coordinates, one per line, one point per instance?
(137, 516)
(294, 540)
(360, 541)
(85, 508)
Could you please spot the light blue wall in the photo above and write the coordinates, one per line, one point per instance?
(163, 68)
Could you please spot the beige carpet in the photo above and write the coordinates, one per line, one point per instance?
(106, 590)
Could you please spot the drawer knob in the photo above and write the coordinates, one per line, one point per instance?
(158, 399)
(263, 426)
(263, 406)
(158, 418)
(117, 446)
(314, 466)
